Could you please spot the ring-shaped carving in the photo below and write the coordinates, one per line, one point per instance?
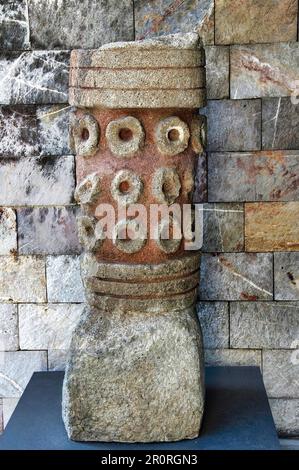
(126, 245)
(85, 135)
(166, 185)
(126, 187)
(90, 233)
(125, 136)
(172, 136)
(88, 190)
(169, 245)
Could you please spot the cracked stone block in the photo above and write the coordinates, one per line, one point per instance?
(14, 25)
(160, 17)
(39, 181)
(268, 325)
(48, 230)
(53, 129)
(35, 77)
(22, 279)
(262, 176)
(200, 190)
(64, 282)
(47, 326)
(233, 125)
(255, 21)
(223, 227)
(9, 339)
(286, 276)
(214, 322)
(8, 231)
(9, 405)
(57, 359)
(217, 70)
(280, 373)
(286, 416)
(18, 136)
(272, 226)
(264, 70)
(280, 123)
(233, 357)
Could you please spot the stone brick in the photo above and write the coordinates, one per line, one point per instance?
(233, 357)
(85, 24)
(249, 21)
(48, 230)
(9, 339)
(18, 136)
(22, 279)
(280, 373)
(53, 129)
(1, 416)
(16, 370)
(223, 227)
(280, 124)
(14, 25)
(236, 276)
(57, 359)
(9, 405)
(264, 70)
(8, 231)
(286, 276)
(64, 282)
(47, 326)
(200, 191)
(34, 77)
(37, 181)
(233, 125)
(213, 317)
(272, 226)
(261, 176)
(217, 70)
(286, 416)
(160, 17)
(264, 324)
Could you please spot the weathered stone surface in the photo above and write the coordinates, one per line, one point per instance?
(47, 326)
(9, 340)
(214, 322)
(53, 129)
(223, 227)
(16, 370)
(22, 279)
(200, 191)
(272, 226)
(264, 324)
(286, 416)
(280, 124)
(1, 416)
(217, 72)
(34, 77)
(18, 136)
(48, 230)
(236, 276)
(233, 125)
(86, 24)
(233, 357)
(8, 231)
(57, 359)
(14, 25)
(160, 17)
(286, 276)
(280, 373)
(39, 181)
(264, 70)
(64, 282)
(9, 405)
(261, 176)
(243, 22)
(139, 379)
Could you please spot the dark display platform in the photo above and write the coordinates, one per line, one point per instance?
(237, 417)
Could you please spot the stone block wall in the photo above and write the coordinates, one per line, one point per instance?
(249, 183)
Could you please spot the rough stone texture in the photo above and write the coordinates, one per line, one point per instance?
(53, 129)
(48, 230)
(236, 276)
(262, 176)
(286, 416)
(233, 357)
(115, 358)
(233, 125)
(64, 279)
(280, 124)
(9, 405)
(18, 136)
(217, 72)
(8, 231)
(264, 70)
(22, 279)
(9, 340)
(272, 226)
(57, 359)
(47, 326)
(280, 373)
(286, 276)
(264, 324)
(223, 227)
(39, 181)
(16, 370)
(34, 77)
(14, 25)
(200, 191)
(160, 17)
(214, 322)
(250, 21)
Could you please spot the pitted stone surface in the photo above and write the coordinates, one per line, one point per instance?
(85, 135)
(166, 185)
(90, 232)
(172, 135)
(128, 143)
(199, 134)
(167, 241)
(133, 187)
(89, 189)
(135, 240)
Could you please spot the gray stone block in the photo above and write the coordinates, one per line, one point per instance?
(280, 124)
(8, 231)
(57, 359)
(201, 191)
(217, 69)
(286, 416)
(281, 372)
(53, 129)
(18, 136)
(64, 282)
(233, 357)
(9, 339)
(14, 25)
(286, 276)
(214, 322)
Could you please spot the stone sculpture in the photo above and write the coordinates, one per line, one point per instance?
(135, 368)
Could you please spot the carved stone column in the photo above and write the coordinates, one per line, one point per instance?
(135, 368)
